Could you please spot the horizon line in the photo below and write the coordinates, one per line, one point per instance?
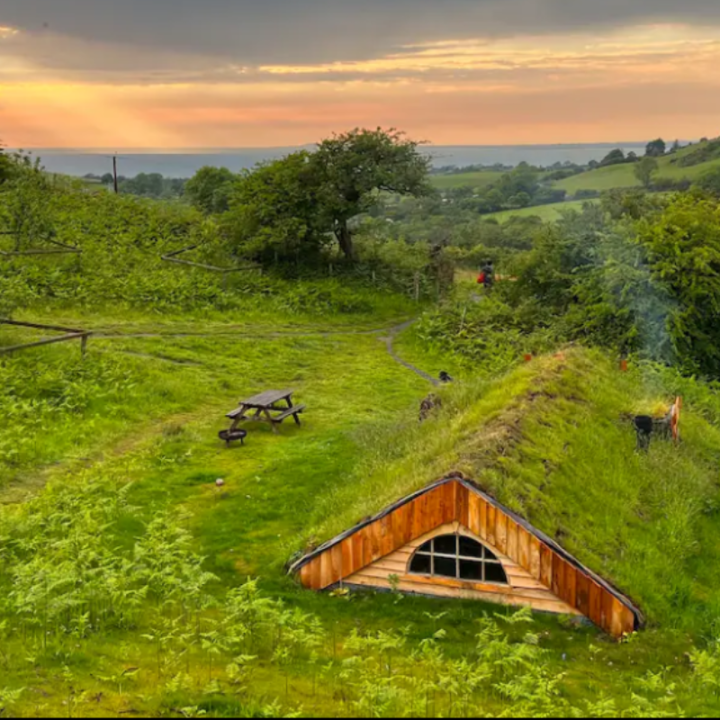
(212, 150)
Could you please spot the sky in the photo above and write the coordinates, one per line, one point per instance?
(190, 74)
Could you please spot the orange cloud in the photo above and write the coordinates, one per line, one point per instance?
(571, 88)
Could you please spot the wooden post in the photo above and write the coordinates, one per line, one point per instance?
(115, 175)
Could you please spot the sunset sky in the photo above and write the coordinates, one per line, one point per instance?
(239, 73)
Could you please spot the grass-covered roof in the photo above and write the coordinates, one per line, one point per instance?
(552, 441)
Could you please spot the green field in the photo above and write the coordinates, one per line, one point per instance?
(474, 179)
(547, 213)
(623, 176)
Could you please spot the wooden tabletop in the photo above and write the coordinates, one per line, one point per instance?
(267, 399)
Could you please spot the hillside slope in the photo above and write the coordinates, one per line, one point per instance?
(623, 176)
(549, 441)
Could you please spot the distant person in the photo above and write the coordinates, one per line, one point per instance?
(488, 275)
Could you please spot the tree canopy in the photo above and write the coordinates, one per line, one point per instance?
(353, 168)
(275, 210)
(614, 157)
(210, 188)
(645, 169)
(298, 204)
(656, 148)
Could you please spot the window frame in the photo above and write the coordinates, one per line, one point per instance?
(483, 561)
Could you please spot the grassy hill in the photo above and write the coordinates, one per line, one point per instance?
(548, 213)
(549, 440)
(623, 176)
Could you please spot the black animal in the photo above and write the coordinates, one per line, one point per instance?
(445, 378)
(429, 405)
(644, 426)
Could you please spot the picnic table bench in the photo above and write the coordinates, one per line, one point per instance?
(265, 407)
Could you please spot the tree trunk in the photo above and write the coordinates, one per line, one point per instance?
(345, 240)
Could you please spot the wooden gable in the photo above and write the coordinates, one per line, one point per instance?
(352, 557)
(522, 589)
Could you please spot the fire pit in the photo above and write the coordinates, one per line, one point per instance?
(229, 436)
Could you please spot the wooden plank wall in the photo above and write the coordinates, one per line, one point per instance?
(454, 502)
(522, 589)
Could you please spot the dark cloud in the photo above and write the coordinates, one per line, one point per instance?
(153, 35)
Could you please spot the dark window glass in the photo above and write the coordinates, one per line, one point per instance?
(446, 545)
(471, 571)
(470, 548)
(495, 574)
(480, 564)
(421, 565)
(445, 567)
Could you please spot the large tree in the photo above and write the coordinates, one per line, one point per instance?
(275, 210)
(683, 252)
(656, 148)
(645, 169)
(614, 157)
(352, 169)
(209, 189)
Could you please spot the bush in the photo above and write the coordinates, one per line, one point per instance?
(586, 194)
(669, 185)
(710, 182)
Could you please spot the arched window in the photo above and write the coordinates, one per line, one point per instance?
(459, 558)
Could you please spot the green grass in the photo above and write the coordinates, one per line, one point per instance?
(479, 179)
(145, 442)
(623, 176)
(547, 213)
(548, 441)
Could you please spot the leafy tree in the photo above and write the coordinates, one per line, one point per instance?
(275, 211)
(683, 251)
(521, 200)
(209, 189)
(656, 148)
(614, 157)
(5, 165)
(353, 168)
(107, 179)
(495, 199)
(645, 169)
(523, 179)
(710, 181)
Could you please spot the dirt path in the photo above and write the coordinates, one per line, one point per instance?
(389, 343)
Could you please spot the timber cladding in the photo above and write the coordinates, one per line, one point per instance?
(542, 574)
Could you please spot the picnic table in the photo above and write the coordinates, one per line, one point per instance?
(266, 407)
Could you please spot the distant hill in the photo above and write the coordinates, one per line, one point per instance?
(672, 167)
(184, 164)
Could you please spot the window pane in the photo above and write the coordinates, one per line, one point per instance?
(470, 548)
(445, 567)
(420, 565)
(446, 545)
(471, 571)
(495, 574)
(489, 555)
(426, 548)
